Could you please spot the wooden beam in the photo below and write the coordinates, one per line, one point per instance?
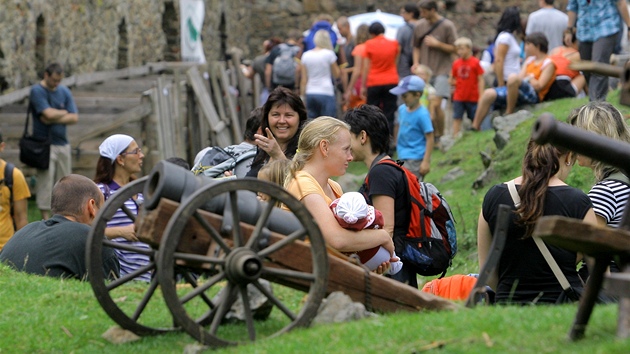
(385, 294)
(237, 133)
(223, 136)
(132, 115)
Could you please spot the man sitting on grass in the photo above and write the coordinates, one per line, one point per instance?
(56, 247)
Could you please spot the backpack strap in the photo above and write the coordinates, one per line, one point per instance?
(8, 181)
(542, 247)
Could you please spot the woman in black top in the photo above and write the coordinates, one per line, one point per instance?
(523, 276)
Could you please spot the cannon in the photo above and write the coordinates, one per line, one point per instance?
(210, 241)
(603, 244)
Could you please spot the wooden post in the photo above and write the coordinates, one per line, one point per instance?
(237, 133)
(222, 135)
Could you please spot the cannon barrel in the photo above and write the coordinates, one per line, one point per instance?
(172, 182)
(609, 151)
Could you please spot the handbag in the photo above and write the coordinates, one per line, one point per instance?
(569, 293)
(34, 151)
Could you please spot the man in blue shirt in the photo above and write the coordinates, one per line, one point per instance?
(53, 109)
(597, 25)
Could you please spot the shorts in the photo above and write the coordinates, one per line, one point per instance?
(414, 167)
(441, 85)
(562, 87)
(459, 107)
(526, 95)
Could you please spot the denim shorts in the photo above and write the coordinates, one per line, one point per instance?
(526, 95)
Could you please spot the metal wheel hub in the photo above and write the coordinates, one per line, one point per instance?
(243, 266)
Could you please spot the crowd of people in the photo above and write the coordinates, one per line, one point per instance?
(394, 93)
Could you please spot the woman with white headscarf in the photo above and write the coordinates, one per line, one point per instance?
(120, 159)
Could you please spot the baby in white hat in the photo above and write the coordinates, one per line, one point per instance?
(353, 213)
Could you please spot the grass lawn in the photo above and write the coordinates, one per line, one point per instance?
(41, 315)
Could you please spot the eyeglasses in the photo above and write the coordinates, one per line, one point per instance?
(135, 151)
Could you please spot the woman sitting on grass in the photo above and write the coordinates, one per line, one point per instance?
(523, 276)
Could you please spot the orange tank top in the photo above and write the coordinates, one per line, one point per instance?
(536, 68)
(562, 62)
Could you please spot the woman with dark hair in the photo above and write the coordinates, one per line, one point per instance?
(380, 73)
(507, 49)
(523, 275)
(283, 116)
(120, 159)
(385, 186)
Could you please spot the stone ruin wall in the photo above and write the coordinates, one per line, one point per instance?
(94, 35)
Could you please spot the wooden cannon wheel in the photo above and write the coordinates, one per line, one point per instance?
(112, 295)
(241, 256)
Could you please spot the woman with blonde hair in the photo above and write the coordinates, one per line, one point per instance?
(523, 275)
(319, 65)
(612, 189)
(274, 172)
(323, 152)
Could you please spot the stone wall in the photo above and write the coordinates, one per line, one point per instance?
(93, 35)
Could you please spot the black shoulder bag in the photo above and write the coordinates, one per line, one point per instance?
(34, 151)
(421, 39)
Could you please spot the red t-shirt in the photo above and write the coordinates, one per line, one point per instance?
(382, 53)
(466, 73)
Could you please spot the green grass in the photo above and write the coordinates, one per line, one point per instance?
(42, 315)
(45, 315)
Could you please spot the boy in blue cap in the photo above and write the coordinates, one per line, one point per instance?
(415, 133)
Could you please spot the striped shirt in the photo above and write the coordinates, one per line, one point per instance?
(609, 199)
(129, 261)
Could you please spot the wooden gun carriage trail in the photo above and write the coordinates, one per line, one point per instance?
(171, 109)
(211, 240)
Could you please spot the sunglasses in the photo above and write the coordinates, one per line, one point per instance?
(135, 151)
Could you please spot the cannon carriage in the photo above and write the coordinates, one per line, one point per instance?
(211, 242)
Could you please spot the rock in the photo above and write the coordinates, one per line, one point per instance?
(196, 348)
(447, 142)
(338, 307)
(350, 182)
(486, 159)
(501, 139)
(485, 178)
(117, 335)
(453, 175)
(260, 305)
(504, 125)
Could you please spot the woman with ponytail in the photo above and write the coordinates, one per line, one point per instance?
(523, 276)
(323, 152)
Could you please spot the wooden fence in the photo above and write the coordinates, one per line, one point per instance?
(171, 109)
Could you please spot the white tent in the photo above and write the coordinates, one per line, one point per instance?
(391, 22)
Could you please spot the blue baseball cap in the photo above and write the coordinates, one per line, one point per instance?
(408, 83)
